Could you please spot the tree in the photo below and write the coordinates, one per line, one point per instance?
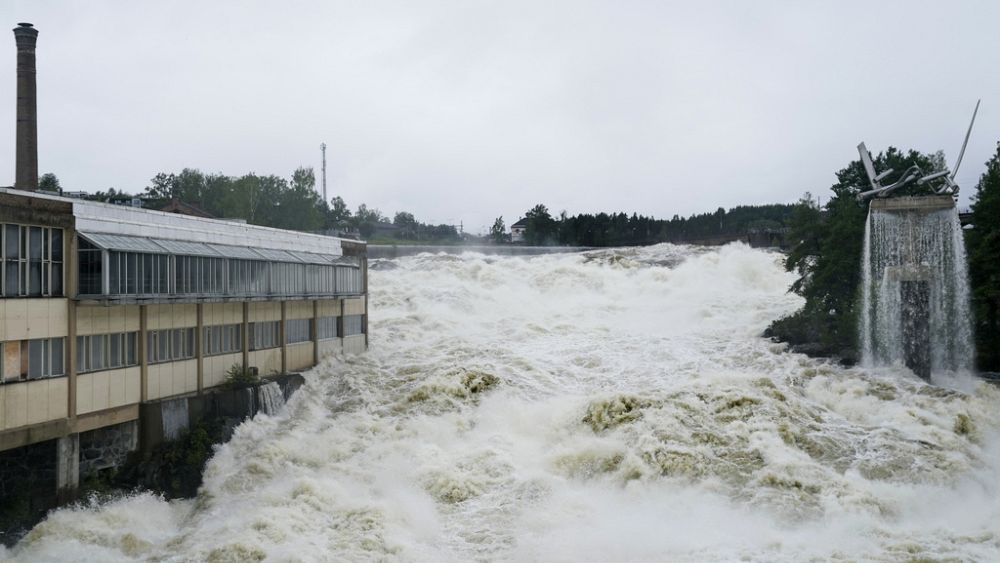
(984, 265)
(340, 214)
(48, 182)
(366, 215)
(541, 228)
(408, 225)
(303, 179)
(299, 206)
(161, 186)
(498, 232)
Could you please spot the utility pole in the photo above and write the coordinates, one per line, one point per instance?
(322, 147)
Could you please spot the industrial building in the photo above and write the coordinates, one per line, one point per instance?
(107, 306)
(107, 309)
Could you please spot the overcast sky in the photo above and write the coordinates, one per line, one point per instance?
(463, 111)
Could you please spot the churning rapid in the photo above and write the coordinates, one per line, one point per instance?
(613, 405)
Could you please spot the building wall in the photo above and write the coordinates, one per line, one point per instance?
(222, 313)
(23, 403)
(299, 356)
(330, 346)
(265, 311)
(172, 378)
(266, 361)
(25, 318)
(101, 390)
(214, 368)
(354, 344)
(299, 310)
(354, 306)
(106, 320)
(171, 316)
(33, 402)
(329, 308)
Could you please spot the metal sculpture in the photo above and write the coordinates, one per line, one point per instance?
(941, 182)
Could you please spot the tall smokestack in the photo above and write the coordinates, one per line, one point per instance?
(26, 175)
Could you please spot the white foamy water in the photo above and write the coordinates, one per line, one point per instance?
(611, 406)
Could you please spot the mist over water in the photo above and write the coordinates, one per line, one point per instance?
(613, 405)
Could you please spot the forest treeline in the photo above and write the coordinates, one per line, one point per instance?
(620, 229)
(271, 201)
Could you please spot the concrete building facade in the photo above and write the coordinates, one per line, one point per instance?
(105, 308)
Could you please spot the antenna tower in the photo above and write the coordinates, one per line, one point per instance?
(322, 147)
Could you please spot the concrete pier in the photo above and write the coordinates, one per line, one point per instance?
(67, 468)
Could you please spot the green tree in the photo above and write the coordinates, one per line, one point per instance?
(340, 214)
(48, 182)
(299, 206)
(408, 225)
(161, 186)
(498, 232)
(984, 265)
(303, 179)
(542, 228)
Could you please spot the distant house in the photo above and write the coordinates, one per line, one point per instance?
(517, 230)
(178, 206)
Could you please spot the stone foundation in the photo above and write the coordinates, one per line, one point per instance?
(107, 447)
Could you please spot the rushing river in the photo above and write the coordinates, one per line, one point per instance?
(612, 405)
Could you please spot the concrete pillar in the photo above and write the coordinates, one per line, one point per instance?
(364, 291)
(246, 334)
(143, 353)
(281, 336)
(70, 268)
(67, 467)
(315, 332)
(199, 348)
(26, 171)
(340, 322)
(916, 325)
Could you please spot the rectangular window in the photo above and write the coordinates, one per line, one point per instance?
(131, 348)
(264, 335)
(223, 339)
(90, 269)
(105, 351)
(98, 352)
(326, 327)
(114, 273)
(36, 353)
(42, 357)
(170, 345)
(352, 325)
(115, 358)
(131, 268)
(30, 265)
(12, 252)
(298, 330)
(56, 353)
(147, 273)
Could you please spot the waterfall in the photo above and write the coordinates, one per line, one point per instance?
(174, 417)
(915, 291)
(270, 398)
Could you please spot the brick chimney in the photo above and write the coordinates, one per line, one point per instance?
(26, 175)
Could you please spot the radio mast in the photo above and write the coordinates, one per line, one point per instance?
(322, 147)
